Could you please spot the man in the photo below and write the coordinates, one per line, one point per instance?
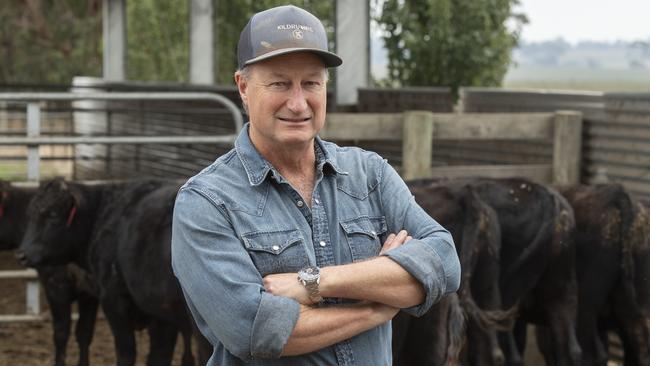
(282, 246)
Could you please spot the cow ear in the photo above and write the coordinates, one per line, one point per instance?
(61, 184)
(77, 198)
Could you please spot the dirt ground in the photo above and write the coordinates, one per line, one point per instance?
(30, 343)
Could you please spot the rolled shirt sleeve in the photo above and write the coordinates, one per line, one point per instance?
(223, 288)
(431, 256)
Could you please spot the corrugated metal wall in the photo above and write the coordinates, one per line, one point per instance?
(619, 145)
(616, 132)
(478, 100)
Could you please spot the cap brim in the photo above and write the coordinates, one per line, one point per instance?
(330, 59)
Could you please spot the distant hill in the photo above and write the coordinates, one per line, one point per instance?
(601, 66)
(590, 55)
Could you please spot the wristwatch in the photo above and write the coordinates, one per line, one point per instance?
(310, 278)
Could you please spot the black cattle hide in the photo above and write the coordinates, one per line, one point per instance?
(93, 226)
(63, 285)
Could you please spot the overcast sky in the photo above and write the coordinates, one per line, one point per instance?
(578, 20)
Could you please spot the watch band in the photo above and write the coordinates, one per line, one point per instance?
(314, 292)
(310, 278)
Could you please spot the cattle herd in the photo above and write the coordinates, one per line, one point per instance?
(574, 261)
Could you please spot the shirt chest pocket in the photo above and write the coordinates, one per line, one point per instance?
(365, 236)
(276, 251)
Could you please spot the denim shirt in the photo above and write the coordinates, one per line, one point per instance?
(239, 220)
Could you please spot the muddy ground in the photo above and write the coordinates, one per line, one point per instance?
(30, 343)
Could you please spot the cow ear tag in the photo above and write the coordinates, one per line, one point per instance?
(73, 212)
(2, 207)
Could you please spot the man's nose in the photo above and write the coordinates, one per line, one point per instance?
(297, 102)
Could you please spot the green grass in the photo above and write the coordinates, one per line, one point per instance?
(579, 79)
(12, 171)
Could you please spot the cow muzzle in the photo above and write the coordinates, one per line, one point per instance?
(21, 257)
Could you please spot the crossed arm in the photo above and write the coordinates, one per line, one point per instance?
(383, 284)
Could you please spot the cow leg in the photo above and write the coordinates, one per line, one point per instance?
(162, 338)
(59, 296)
(561, 317)
(633, 330)
(204, 346)
(486, 292)
(593, 351)
(119, 310)
(510, 348)
(188, 359)
(60, 311)
(86, 326)
(556, 299)
(483, 347)
(545, 344)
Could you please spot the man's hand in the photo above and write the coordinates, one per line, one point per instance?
(287, 285)
(393, 241)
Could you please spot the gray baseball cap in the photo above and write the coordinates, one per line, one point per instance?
(281, 30)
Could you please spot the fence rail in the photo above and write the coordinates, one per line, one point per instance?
(419, 131)
(34, 139)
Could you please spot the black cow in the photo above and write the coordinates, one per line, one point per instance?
(475, 228)
(436, 338)
(613, 268)
(120, 233)
(631, 298)
(63, 285)
(537, 265)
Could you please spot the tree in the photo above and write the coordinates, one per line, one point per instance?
(49, 41)
(157, 40)
(45, 41)
(448, 42)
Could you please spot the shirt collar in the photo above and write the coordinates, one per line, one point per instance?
(257, 168)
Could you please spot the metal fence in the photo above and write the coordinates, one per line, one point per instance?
(96, 109)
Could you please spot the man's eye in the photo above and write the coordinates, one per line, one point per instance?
(278, 84)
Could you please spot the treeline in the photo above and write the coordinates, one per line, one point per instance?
(429, 42)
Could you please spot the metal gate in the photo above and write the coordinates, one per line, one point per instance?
(34, 140)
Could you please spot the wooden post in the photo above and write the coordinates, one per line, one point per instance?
(567, 147)
(417, 141)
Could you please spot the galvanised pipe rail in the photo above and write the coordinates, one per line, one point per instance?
(33, 140)
(128, 96)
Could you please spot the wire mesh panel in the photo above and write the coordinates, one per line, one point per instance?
(148, 118)
(56, 120)
(96, 118)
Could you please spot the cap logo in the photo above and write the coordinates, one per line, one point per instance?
(295, 27)
(297, 34)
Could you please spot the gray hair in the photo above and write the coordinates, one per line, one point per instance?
(245, 72)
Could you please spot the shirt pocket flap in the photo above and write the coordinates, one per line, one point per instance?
(274, 242)
(371, 226)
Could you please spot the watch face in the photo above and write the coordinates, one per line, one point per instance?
(309, 274)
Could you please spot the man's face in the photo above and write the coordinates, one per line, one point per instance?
(286, 98)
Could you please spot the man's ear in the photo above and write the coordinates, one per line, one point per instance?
(242, 86)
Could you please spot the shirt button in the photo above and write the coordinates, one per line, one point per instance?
(317, 201)
(373, 233)
(275, 247)
(299, 203)
(322, 243)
